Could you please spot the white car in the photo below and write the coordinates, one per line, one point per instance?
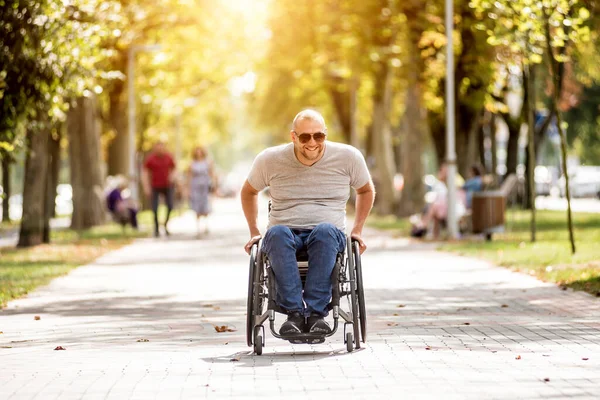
(584, 181)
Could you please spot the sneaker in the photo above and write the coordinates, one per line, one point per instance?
(317, 324)
(293, 325)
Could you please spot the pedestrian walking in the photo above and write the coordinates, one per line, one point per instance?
(201, 182)
(157, 178)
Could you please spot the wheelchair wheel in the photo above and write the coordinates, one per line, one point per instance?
(349, 342)
(250, 300)
(353, 295)
(255, 302)
(362, 310)
(258, 340)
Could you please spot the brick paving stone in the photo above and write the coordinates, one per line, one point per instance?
(139, 324)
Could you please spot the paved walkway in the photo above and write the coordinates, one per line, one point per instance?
(139, 324)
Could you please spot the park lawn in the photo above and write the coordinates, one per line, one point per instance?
(24, 269)
(549, 258)
(399, 226)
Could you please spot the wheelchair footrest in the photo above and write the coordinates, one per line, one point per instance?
(308, 338)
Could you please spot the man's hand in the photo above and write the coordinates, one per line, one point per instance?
(361, 244)
(249, 245)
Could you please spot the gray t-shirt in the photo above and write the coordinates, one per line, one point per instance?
(305, 196)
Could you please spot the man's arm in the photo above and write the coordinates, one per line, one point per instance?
(146, 181)
(365, 196)
(249, 197)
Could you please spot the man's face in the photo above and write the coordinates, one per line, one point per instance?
(159, 148)
(308, 139)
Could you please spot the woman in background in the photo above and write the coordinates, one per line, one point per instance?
(201, 179)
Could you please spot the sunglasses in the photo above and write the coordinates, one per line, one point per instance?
(305, 137)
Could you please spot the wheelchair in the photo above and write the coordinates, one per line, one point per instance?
(347, 284)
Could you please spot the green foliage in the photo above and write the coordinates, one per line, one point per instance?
(48, 48)
(584, 126)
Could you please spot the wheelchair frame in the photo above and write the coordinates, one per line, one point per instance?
(346, 280)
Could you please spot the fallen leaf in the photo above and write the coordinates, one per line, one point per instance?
(504, 305)
(223, 328)
(494, 351)
(392, 324)
(206, 385)
(37, 318)
(546, 379)
(207, 305)
(226, 342)
(427, 348)
(59, 348)
(216, 308)
(142, 340)
(517, 357)
(585, 358)
(235, 359)
(1, 332)
(396, 314)
(401, 305)
(467, 323)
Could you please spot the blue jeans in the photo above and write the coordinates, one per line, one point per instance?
(322, 244)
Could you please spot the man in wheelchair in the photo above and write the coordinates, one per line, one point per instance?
(309, 182)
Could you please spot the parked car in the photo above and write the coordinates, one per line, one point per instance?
(584, 181)
(545, 178)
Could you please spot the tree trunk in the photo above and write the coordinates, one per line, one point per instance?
(86, 173)
(383, 151)
(494, 149)
(558, 71)
(54, 162)
(34, 189)
(340, 94)
(53, 170)
(411, 147)
(531, 148)
(6, 161)
(118, 151)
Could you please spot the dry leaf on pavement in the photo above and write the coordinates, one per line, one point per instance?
(223, 328)
(59, 348)
(37, 318)
(517, 357)
(142, 340)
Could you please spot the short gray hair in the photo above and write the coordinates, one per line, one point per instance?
(310, 115)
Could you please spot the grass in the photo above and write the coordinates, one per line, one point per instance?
(24, 269)
(400, 226)
(548, 259)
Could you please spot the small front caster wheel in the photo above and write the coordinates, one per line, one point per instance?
(258, 341)
(349, 342)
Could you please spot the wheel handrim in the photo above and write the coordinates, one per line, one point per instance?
(361, 294)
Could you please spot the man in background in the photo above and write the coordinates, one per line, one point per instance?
(157, 179)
